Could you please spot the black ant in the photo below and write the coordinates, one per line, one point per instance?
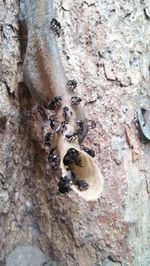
(88, 151)
(72, 84)
(75, 100)
(67, 114)
(48, 138)
(56, 27)
(71, 136)
(80, 128)
(53, 121)
(91, 124)
(72, 157)
(65, 182)
(54, 159)
(82, 185)
(61, 128)
(55, 103)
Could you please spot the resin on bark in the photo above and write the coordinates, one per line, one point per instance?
(45, 77)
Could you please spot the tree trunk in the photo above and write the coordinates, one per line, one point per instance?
(104, 45)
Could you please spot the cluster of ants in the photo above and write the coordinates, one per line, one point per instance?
(72, 157)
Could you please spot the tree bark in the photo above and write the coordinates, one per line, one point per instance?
(105, 47)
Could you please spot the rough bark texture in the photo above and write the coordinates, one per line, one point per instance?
(105, 47)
